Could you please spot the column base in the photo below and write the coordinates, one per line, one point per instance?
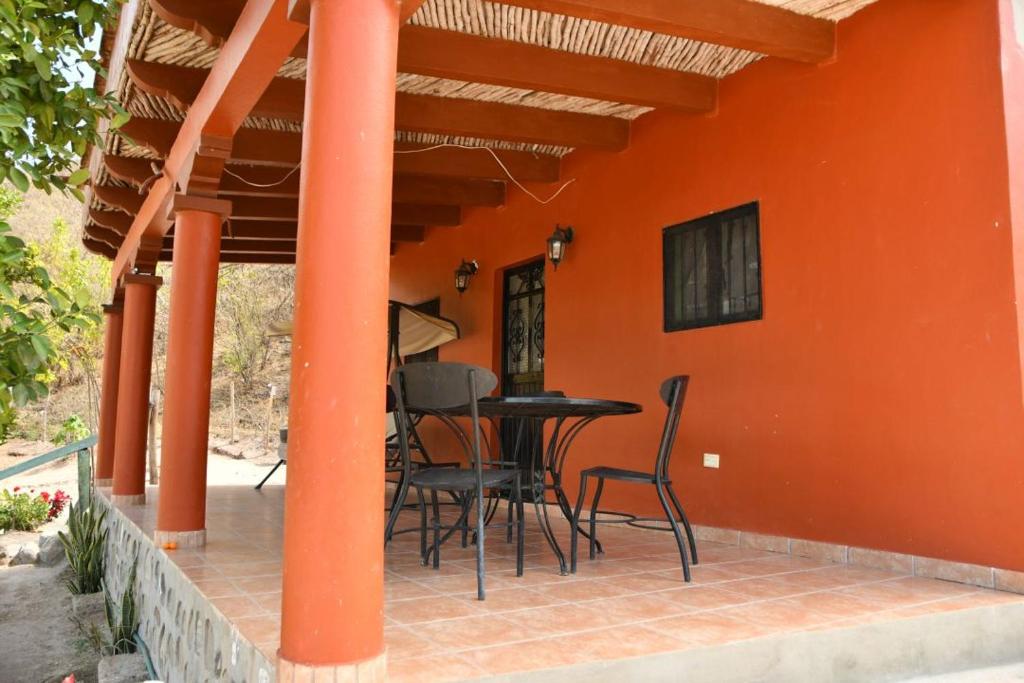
(133, 499)
(104, 483)
(367, 671)
(180, 539)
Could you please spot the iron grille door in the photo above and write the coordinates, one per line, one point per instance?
(523, 362)
(523, 339)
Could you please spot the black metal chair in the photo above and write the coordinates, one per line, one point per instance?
(673, 392)
(445, 391)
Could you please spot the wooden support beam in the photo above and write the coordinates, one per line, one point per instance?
(105, 235)
(261, 230)
(125, 199)
(742, 24)
(426, 214)
(419, 113)
(260, 40)
(494, 120)
(99, 248)
(408, 233)
(129, 170)
(153, 134)
(427, 190)
(407, 9)
(465, 57)
(283, 150)
(180, 86)
(118, 221)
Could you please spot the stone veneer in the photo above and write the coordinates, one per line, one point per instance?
(188, 639)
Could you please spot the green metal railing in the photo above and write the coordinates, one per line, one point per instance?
(79, 448)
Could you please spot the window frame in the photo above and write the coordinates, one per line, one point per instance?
(713, 223)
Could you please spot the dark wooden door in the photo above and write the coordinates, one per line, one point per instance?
(522, 365)
(523, 330)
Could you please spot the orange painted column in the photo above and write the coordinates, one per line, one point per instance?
(332, 610)
(181, 508)
(114, 315)
(133, 388)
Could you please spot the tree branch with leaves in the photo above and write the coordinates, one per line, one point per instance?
(49, 111)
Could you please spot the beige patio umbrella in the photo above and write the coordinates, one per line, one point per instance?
(416, 331)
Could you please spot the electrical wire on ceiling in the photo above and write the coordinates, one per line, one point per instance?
(501, 163)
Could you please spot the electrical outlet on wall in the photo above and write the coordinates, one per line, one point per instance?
(711, 460)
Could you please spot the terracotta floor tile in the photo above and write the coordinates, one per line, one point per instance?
(584, 589)
(562, 619)
(510, 599)
(473, 632)
(199, 572)
(431, 669)
(418, 610)
(237, 606)
(778, 615)
(763, 588)
(528, 656)
(269, 602)
(216, 588)
(633, 640)
(635, 608)
(403, 589)
(644, 582)
(259, 629)
(260, 584)
(708, 628)
(403, 642)
(246, 570)
(698, 598)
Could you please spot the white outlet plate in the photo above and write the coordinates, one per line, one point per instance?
(711, 460)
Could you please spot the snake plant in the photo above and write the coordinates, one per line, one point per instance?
(85, 544)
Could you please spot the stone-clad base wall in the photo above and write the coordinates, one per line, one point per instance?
(188, 639)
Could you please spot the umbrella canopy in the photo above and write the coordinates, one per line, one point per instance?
(416, 331)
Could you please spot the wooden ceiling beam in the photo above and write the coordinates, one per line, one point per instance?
(408, 233)
(99, 248)
(118, 221)
(477, 59)
(284, 150)
(128, 170)
(426, 214)
(742, 24)
(418, 113)
(122, 198)
(105, 235)
(499, 121)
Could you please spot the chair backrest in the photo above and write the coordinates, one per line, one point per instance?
(437, 388)
(673, 393)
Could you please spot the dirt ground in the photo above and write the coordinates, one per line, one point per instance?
(38, 640)
(37, 637)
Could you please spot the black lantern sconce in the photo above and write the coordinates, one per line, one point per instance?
(463, 274)
(558, 243)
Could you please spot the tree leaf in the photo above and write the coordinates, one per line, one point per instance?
(19, 179)
(78, 177)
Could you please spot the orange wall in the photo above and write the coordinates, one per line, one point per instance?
(878, 403)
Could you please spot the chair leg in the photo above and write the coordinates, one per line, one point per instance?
(269, 475)
(686, 522)
(593, 517)
(466, 505)
(481, 513)
(423, 525)
(397, 504)
(671, 516)
(574, 532)
(520, 526)
(508, 522)
(437, 528)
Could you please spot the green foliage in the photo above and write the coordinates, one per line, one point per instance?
(71, 430)
(33, 311)
(84, 544)
(49, 111)
(123, 621)
(22, 511)
(249, 300)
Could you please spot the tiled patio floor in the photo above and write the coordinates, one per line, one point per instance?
(630, 602)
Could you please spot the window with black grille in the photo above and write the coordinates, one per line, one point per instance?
(713, 270)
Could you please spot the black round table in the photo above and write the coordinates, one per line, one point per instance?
(570, 416)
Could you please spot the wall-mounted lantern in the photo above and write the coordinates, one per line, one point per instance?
(463, 274)
(558, 243)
